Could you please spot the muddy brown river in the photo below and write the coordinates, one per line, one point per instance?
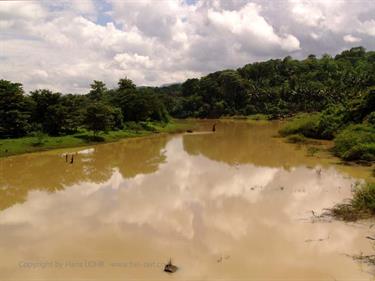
(237, 204)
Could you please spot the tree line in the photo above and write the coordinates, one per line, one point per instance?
(55, 114)
(277, 87)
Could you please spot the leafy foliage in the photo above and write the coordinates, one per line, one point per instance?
(280, 88)
(47, 112)
(356, 142)
(99, 117)
(14, 110)
(304, 124)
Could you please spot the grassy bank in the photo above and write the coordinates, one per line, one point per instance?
(250, 118)
(42, 142)
(361, 206)
(352, 142)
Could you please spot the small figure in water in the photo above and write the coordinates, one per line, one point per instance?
(319, 172)
(169, 267)
(214, 128)
(66, 158)
(72, 159)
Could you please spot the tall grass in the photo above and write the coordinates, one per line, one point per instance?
(303, 124)
(362, 205)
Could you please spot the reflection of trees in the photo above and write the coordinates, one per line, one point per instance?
(50, 172)
(243, 142)
(140, 155)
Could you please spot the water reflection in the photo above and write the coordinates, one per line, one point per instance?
(50, 172)
(232, 218)
(241, 142)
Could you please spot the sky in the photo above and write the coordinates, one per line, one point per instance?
(65, 45)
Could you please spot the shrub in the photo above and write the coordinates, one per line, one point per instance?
(296, 138)
(364, 198)
(304, 124)
(356, 142)
(371, 119)
(331, 121)
(362, 205)
(39, 138)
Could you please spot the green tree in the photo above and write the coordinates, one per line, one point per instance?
(190, 87)
(98, 90)
(126, 84)
(99, 117)
(48, 111)
(14, 110)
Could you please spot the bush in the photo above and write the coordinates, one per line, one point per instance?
(39, 138)
(371, 119)
(303, 124)
(134, 126)
(258, 117)
(364, 198)
(356, 142)
(361, 152)
(362, 205)
(331, 121)
(296, 138)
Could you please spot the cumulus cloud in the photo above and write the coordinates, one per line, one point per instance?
(64, 45)
(351, 39)
(250, 27)
(368, 27)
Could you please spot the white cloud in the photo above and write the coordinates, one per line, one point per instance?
(127, 61)
(157, 42)
(351, 39)
(307, 12)
(314, 35)
(21, 10)
(368, 27)
(250, 27)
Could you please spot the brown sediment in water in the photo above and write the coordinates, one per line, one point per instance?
(199, 198)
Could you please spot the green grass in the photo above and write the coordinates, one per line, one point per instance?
(303, 124)
(253, 117)
(298, 138)
(40, 142)
(352, 143)
(361, 206)
(259, 117)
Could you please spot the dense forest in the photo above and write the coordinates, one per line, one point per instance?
(337, 95)
(275, 87)
(55, 114)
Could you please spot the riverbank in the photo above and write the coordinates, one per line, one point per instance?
(351, 143)
(41, 142)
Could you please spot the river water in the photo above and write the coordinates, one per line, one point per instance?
(237, 204)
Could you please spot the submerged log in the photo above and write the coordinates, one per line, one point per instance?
(170, 268)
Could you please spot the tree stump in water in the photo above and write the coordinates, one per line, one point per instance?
(170, 268)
